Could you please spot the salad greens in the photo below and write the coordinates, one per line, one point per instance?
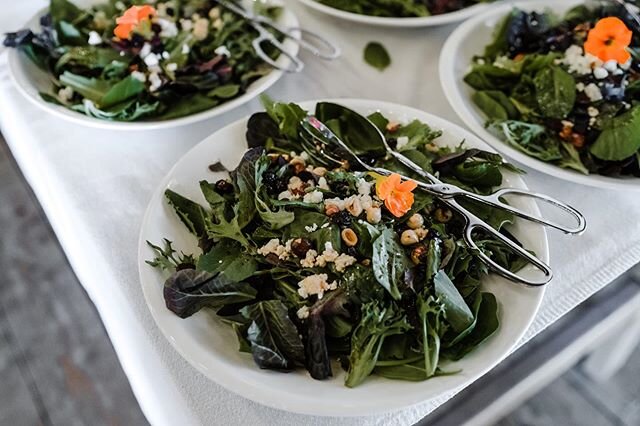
(545, 95)
(401, 8)
(187, 57)
(307, 265)
(376, 55)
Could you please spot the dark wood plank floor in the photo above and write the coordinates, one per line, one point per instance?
(57, 365)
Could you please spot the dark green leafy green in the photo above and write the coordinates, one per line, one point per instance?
(377, 56)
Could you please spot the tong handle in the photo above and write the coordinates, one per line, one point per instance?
(311, 41)
(265, 37)
(475, 224)
(495, 200)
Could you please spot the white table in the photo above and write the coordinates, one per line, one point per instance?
(94, 186)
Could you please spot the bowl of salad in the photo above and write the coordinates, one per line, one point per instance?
(257, 259)
(131, 65)
(553, 86)
(400, 13)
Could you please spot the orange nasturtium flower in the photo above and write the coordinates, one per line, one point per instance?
(397, 195)
(609, 40)
(131, 19)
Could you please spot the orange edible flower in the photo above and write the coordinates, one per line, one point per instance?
(131, 18)
(609, 40)
(397, 195)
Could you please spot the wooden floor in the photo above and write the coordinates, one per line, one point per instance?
(57, 366)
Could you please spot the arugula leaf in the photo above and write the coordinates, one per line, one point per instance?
(376, 324)
(389, 262)
(188, 291)
(486, 325)
(275, 343)
(190, 213)
(456, 311)
(377, 56)
(532, 139)
(288, 116)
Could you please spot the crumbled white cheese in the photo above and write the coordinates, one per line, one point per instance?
(287, 195)
(580, 87)
(222, 50)
(186, 24)
(94, 39)
(185, 49)
(168, 28)
(322, 184)
(593, 111)
(402, 142)
(120, 6)
(315, 284)
(626, 65)
(600, 73)
(311, 228)
(326, 225)
(313, 197)
(140, 76)
(344, 261)
(217, 24)
(201, 29)
(302, 313)
(364, 187)
(166, 55)
(593, 92)
(274, 247)
(155, 80)
(578, 62)
(611, 65)
(145, 51)
(309, 260)
(329, 255)
(151, 60)
(172, 67)
(65, 94)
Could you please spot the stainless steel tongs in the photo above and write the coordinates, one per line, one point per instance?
(317, 137)
(310, 41)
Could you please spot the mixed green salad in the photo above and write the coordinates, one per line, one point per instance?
(565, 90)
(131, 60)
(309, 264)
(401, 8)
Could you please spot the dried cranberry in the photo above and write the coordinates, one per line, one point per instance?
(224, 187)
(342, 219)
(300, 247)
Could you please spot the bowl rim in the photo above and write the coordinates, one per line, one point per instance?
(24, 84)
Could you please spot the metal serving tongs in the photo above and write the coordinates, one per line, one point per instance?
(632, 10)
(310, 41)
(316, 136)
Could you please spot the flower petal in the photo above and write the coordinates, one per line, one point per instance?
(123, 31)
(407, 186)
(386, 186)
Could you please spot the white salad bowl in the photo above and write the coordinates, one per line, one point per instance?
(424, 21)
(31, 81)
(211, 346)
(469, 40)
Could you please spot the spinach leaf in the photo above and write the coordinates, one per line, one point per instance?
(376, 324)
(288, 116)
(555, 92)
(227, 258)
(620, 138)
(419, 134)
(377, 56)
(495, 104)
(275, 343)
(456, 311)
(64, 10)
(491, 77)
(121, 91)
(91, 88)
(486, 324)
(187, 291)
(389, 262)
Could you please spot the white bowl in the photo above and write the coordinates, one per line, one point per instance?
(211, 346)
(425, 21)
(31, 80)
(470, 39)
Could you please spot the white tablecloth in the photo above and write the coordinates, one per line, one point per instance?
(94, 186)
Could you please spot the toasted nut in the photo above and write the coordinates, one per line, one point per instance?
(331, 209)
(422, 233)
(374, 215)
(349, 237)
(297, 160)
(354, 206)
(319, 171)
(366, 262)
(393, 126)
(415, 221)
(300, 247)
(418, 254)
(409, 237)
(432, 147)
(443, 214)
